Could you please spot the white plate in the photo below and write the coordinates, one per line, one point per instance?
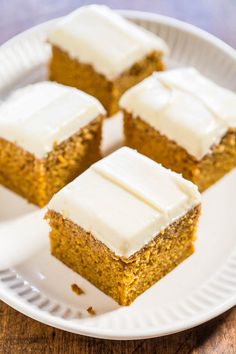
(199, 289)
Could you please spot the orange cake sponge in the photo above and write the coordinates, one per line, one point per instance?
(49, 134)
(124, 223)
(184, 121)
(102, 53)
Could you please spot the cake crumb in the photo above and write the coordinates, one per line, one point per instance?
(91, 311)
(77, 290)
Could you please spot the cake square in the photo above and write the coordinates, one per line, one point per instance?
(103, 54)
(124, 223)
(184, 121)
(49, 134)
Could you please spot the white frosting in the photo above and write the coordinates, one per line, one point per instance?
(184, 106)
(40, 115)
(125, 200)
(99, 36)
(220, 101)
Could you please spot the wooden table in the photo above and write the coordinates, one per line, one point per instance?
(19, 334)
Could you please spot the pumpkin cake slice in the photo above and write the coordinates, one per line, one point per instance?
(184, 121)
(124, 223)
(49, 134)
(100, 52)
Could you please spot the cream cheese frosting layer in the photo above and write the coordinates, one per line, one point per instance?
(125, 200)
(100, 37)
(38, 116)
(220, 101)
(184, 106)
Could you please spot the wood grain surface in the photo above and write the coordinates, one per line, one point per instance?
(19, 334)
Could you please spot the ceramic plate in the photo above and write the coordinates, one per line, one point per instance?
(36, 284)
